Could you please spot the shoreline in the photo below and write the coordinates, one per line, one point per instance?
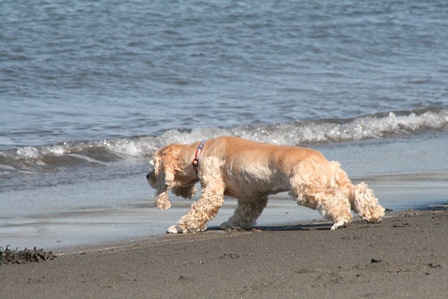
(403, 257)
(121, 208)
(136, 218)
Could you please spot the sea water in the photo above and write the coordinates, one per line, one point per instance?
(89, 90)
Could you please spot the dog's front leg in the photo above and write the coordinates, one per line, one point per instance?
(246, 213)
(201, 212)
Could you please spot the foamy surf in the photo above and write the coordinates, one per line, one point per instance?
(293, 133)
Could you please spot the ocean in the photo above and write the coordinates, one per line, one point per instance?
(90, 89)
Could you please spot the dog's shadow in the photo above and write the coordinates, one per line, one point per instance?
(306, 227)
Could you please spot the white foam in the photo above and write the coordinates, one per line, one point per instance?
(88, 159)
(292, 133)
(57, 150)
(27, 152)
(296, 133)
(360, 128)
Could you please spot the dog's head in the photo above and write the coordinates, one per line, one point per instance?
(170, 170)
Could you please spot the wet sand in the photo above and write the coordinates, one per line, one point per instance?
(405, 256)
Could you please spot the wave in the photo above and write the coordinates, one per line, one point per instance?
(106, 152)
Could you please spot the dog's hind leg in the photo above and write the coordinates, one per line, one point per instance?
(335, 205)
(202, 211)
(246, 213)
(313, 186)
(331, 204)
(365, 204)
(361, 197)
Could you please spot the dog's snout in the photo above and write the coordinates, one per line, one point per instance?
(152, 179)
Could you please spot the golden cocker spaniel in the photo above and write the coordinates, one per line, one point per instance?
(250, 171)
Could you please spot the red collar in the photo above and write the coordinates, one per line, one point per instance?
(195, 161)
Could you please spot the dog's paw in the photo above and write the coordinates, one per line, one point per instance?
(340, 224)
(173, 229)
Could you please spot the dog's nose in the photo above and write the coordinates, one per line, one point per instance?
(147, 176)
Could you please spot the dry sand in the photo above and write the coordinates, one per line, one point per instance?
(406, 256)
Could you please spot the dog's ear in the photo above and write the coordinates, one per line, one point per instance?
(165, 162)
(169, 163)
(156, 179)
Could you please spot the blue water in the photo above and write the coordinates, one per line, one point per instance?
(89, 90)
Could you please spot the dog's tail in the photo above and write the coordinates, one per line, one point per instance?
(365, 204)
(361, 197)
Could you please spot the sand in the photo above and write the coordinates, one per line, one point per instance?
(405, 256)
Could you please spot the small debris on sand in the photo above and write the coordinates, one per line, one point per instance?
(16, 256)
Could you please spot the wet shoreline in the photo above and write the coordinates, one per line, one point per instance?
(404, 256)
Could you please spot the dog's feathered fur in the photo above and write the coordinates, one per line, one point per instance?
(250, 171)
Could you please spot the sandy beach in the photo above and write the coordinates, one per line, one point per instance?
(405, 256)
(91, 90)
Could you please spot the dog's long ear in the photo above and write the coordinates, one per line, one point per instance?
(165, 163)
(156, 179)
(169, 163)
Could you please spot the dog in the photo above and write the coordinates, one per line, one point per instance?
(251, 171)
